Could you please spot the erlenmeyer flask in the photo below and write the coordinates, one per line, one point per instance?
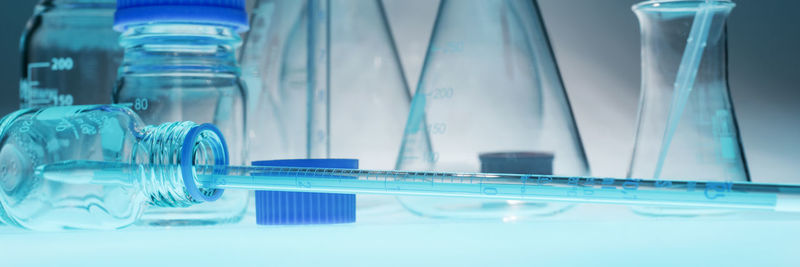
(705, 144)
(369, 97)
(326, 81)
(689, 131)
(274, 68)
(490, 99)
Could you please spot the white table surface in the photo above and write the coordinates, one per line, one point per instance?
(387, 235)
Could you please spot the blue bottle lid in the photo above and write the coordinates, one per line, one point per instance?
(230, 13)
(279, 207)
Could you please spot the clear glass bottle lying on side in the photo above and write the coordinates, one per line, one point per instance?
(31, 138)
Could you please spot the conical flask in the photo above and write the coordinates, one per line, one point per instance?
(703, 143)
(687, 127)
(274, 67)
(490, 99)
(369, 96)
(326, 81)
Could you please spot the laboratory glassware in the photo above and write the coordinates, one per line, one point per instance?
(69, 54)
(94, 167)
(274, 66)
(180, 65)
(355, 98)
(365, 69)
(490, 90)
(318, 59)
(687, 125)
(713, 194)
(35, 137)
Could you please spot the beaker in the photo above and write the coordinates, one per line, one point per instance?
(69, 54)
(490, 95)
(705, 143)
(328, 82)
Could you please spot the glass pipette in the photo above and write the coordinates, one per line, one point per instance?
(684, 81)
(709, 194)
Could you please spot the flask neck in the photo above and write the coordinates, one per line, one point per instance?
(166, 154)
(179, 48)
(665, 29)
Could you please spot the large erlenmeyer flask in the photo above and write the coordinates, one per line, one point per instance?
(274, 67)
(705, 142)
(369, 97)
(490, 99)
(326, 81)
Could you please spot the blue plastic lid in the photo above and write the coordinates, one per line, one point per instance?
(279, 207)
(230, 13)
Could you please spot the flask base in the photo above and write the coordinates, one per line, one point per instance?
(654, 211)
(471, 209)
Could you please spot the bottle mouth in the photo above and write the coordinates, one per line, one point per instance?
(204, 145)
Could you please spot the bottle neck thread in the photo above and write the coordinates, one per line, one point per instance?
(179, 48)
(166, 155)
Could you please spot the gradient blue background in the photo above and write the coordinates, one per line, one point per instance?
(597, 47)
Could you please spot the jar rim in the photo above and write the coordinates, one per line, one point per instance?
(187, 164)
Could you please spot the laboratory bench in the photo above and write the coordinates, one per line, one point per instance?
(386, 234)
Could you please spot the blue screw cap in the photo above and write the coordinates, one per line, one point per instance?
(230, 13)
(279, 207)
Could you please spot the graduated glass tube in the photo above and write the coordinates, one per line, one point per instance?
(60, 68)
(182, 66)
(693, 136)
(490, 99)
(328, 82)
(96, 167)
